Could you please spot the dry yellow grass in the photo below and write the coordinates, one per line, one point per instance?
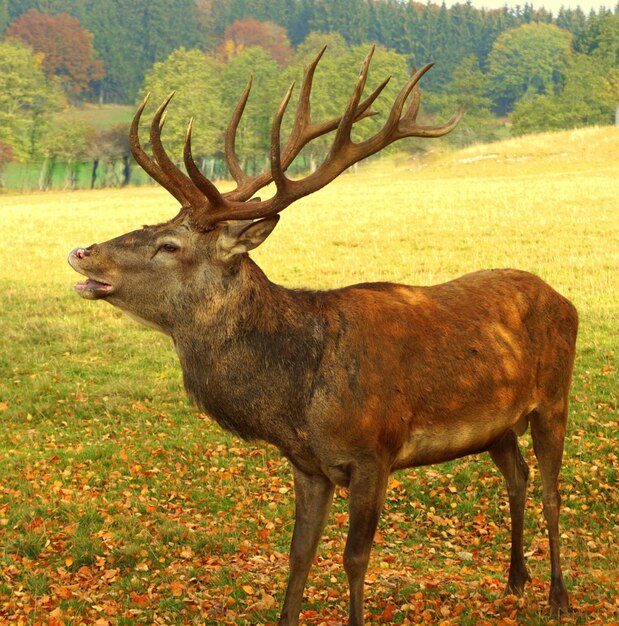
(545, 203)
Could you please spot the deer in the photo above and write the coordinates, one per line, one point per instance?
(349, 384)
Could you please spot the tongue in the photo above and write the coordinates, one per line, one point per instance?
(92, 285)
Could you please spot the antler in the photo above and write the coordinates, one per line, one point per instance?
(209, 206)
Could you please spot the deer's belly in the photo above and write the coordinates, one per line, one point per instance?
(450, 440)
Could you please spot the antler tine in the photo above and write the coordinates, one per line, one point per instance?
(145, 162)
(201, 182)
(434, 131)
(277, 170)
(396, 112)
(299, 136)
(303, 116)
(304, 130)
(415, 101)
(342, 136)
(395, 115)
(399, 126)
(181, 182)
(233, 164)
(336, 161)
(407, 125)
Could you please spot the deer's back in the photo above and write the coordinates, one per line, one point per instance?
(418, 372)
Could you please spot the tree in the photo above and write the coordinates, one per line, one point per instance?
(529, 59)
(66, 47)
(129, 35)
(197, 80)
(26, 99)
(250, 33)
(589, 96)
(119, 39)
(468, 87)
(6, 156)
(607, 49)
(109, 148)
(4, 15)
(254, 132)
(350, 18)
(63, 142)
(573, 20)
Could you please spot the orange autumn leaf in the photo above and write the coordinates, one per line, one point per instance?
(176, 588)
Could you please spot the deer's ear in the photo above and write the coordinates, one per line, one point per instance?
(240, 237)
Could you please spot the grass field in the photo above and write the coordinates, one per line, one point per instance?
(121, 504)
(101, 116)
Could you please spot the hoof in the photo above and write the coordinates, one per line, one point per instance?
(515, 584)
(559, 604)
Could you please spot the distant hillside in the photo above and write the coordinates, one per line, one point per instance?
(579, 150)
(100, 116)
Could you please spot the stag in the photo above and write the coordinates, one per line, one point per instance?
(354, 383)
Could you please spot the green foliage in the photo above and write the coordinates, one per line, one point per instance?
(4, 15)
(350, 18)
(468, 87)
(254, 131)
(518, 58)
(589, 96)
(607, 48)
(529, 59)
(26, 99)
(197, 80)
(65, 140)
(129, 35)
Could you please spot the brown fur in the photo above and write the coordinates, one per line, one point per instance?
(354, 383)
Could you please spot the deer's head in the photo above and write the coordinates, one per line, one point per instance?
(154, 272)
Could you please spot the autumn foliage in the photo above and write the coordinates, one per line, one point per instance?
(6, 154)
(251, 33)
(65, 45)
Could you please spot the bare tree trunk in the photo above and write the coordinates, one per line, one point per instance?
(93, 175)
(42, 174)
(126, 171)
(67, 176)
(45, 175)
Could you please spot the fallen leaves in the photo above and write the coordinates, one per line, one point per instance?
(153, 515)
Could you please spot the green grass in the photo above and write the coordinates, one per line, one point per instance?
(119, 501)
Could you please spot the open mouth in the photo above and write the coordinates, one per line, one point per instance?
(91, 288)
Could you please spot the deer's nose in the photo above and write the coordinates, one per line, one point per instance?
(78, 253)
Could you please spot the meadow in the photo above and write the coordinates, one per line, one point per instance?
(121, 504)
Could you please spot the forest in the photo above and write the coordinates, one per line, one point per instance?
(73, 70)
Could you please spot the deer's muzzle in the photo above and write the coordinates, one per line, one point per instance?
(91, 288)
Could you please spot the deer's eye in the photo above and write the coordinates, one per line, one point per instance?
(168, 247)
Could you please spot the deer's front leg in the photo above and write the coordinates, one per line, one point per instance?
(367, 494)
(313, 496)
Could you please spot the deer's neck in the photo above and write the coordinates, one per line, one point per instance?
(250, 359)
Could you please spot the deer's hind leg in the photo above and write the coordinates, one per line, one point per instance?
(548, 428)
(506, 455)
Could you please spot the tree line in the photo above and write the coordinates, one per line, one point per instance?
(525, 65)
